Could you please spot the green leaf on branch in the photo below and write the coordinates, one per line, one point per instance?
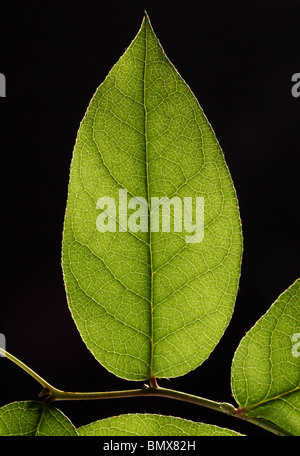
(151, 425)
(266, 365)
(32, 418)
(149, 303)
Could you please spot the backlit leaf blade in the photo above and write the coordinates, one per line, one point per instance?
(151, 425)
(149, 303)
(266, 365)
(32, 418)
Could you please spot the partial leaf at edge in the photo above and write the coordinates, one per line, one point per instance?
(33, 418)
(149, 303)
(266, 365)
(151, 425)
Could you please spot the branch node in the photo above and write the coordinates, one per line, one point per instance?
(44, 392)
(153, 382)
(241, 413)
(49, 399)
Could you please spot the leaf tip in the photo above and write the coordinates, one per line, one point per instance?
(146, 19)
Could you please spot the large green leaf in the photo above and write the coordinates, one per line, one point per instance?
(151, 425)
(149, 303)
(266, 365)
(32, 418)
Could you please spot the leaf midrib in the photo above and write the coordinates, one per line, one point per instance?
(37, 431)
(273, 398)
(148, 202)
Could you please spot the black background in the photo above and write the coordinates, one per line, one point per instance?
(238, 58)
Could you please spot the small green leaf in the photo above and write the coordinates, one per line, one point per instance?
(151, 425)
(266, 365)
(150, 296)
(32, 418)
